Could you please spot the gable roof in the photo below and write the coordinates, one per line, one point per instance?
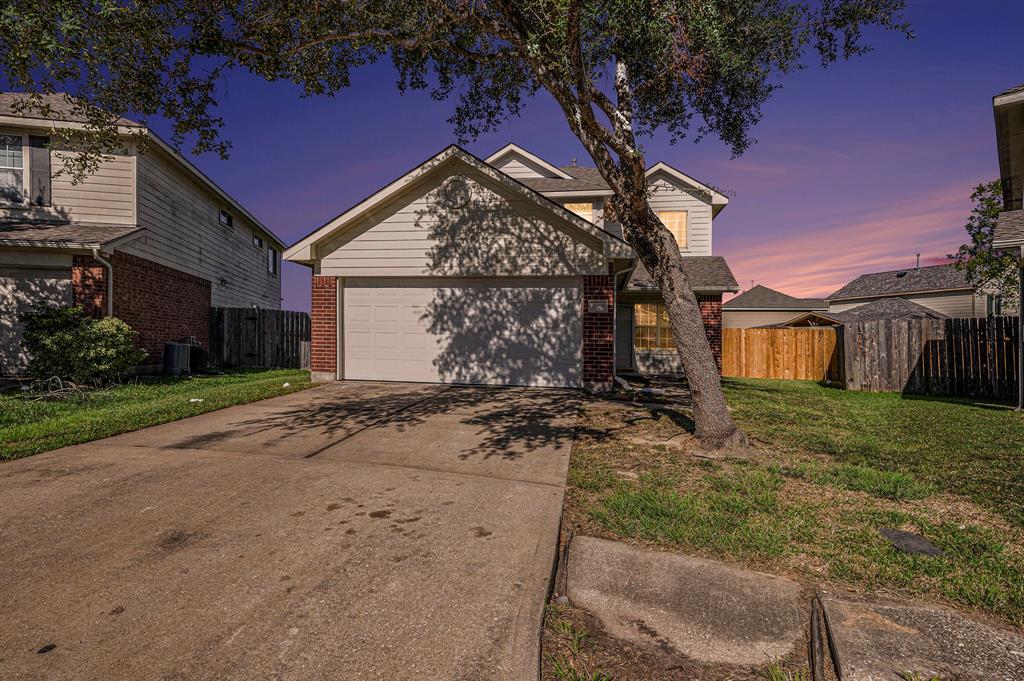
(581, 179)
(764, 298)
(64, 233)
(1009, 229)
(510, 149)
(902, 282)
(59, 103)
(886, 308)
(1014, 94)
(300, 250)
(708, 273)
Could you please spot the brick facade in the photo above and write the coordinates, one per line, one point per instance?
(598, 332)
(160, 303)
(711, 313)
(324, 328)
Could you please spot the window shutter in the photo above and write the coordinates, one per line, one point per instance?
(39, 169)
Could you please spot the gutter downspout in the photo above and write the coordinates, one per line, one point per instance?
(110, 280)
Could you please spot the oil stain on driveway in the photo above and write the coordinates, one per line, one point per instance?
(352, 531)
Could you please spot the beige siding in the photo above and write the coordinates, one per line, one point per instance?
(515, 166)
(496, 234)
(182, 231)
(667, 194)
(951, 304)
(745, 319)
(108, 195)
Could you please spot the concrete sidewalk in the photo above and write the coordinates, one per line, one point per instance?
(353, 531)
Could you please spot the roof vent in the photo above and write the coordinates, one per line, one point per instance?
(901, 274)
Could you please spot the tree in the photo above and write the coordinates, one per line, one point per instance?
(620, 70)
(983, 265)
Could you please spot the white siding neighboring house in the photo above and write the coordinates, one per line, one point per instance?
(146, 234)
(501, 271)
(762, 306)
(942, 288)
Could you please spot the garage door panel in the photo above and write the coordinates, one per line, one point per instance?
(499, 332)
(20, 290)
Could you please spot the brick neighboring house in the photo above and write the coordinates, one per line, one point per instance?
(146, 237)
(503, 271)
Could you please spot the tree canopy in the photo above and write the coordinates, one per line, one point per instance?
(983, 265)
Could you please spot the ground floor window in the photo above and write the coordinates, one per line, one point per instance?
(651, 330)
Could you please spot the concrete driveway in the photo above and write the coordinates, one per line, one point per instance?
(352, 531)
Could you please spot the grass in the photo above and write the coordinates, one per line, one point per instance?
(809, 502)
(957, 445)
(31, 426)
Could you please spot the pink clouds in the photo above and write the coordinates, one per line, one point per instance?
(819, 259)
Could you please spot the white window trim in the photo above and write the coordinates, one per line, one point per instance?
(685, 212)
(26, 172)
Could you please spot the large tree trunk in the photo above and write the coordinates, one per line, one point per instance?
(659, 253)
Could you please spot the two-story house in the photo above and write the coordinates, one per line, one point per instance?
(502, 271)
(147, 237)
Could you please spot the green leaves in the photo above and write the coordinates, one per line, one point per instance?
(983, 265)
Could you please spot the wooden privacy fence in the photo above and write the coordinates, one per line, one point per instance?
(967, 357)
(251, 337)
(809, 354)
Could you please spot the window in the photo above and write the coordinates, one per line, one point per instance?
(257, 241)
(584, 210)
(12, 169)
(651, 329)
(226, 219)
(675, 222)
(272, 256)
(39, 170)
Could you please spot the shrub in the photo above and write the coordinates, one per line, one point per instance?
(62, 341)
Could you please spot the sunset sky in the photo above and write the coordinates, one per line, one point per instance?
(856, 169)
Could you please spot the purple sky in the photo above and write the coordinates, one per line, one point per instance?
(856, 169)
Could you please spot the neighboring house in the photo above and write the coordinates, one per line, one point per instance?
(942, 288)
(762, 306)
(147, 237)
(502, 271)
(876, 310)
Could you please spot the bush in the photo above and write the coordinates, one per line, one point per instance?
(62, 341)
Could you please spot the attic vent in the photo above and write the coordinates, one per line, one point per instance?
(900, 275)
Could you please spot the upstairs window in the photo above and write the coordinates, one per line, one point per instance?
(12, 169)
(39, 170)
(651, 329)
(584, 210)
(272, 260)
(226, 219)
(675, 222)
(257, 241)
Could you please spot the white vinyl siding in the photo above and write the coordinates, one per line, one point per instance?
(669, 195)
(519, 168)
(949, 303)
(521, 331)
(184, 231)
(747, 319)
(496, 234)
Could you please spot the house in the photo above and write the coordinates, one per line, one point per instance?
(502, 271)
(763, 306)
(147, 237)
(1008, 108)
(942, 288)
(877, 310)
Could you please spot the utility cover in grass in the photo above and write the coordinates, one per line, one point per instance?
(909, 542)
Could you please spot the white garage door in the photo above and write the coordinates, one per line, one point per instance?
(494, 332)
(20, 289)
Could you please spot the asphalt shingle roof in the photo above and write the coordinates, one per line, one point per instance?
(705, 272)
(583, 179)
(886, 308)
(61, 234)
(764, 298)
(60, 108)
(902, 282)
(1010, 227)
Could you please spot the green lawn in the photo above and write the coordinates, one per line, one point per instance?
(29, 426)
(829, 468)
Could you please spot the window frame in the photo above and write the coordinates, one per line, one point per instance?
(589, 217)
(257, 241)
(652, 337)
(25, 171)
(686, 225)
(230, 223)
(273, 261)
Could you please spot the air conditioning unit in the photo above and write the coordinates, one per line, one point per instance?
(177, 359)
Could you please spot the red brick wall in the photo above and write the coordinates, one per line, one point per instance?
(323, 355)
(598, 332)
(711, 312)
(89, 285)
(160, 303)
